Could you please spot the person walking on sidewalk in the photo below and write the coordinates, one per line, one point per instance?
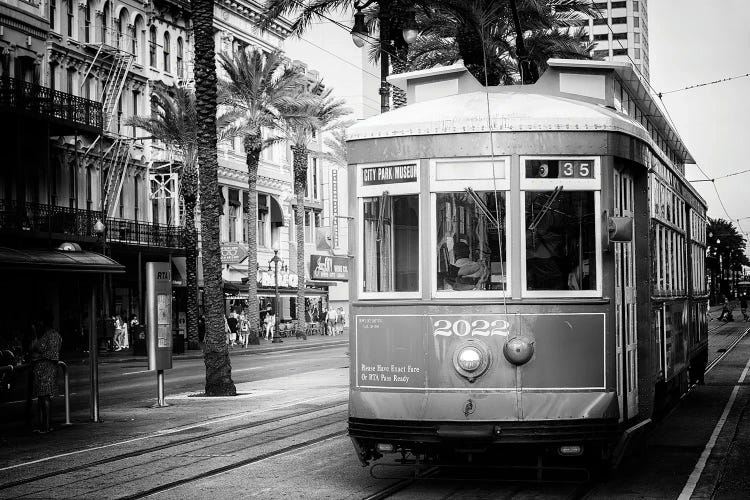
(232, 322)
(45, 355)
(270, 323)
(743, 306)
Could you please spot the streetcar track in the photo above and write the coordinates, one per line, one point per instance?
(171, 444)
(236, 465)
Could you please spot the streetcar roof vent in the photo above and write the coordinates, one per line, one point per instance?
(434, 83)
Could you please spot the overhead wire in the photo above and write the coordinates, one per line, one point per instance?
(705, 84)
(671, 121)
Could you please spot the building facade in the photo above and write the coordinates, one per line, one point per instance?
(71, 74)
(621, 32)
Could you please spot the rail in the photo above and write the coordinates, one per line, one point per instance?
(79, 224)
(42, 101)
(66, 381)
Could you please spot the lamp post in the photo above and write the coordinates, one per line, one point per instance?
(359, 37)
(100, 230)
(275, 259)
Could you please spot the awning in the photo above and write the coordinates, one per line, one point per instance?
(14, 259)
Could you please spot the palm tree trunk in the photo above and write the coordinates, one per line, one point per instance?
(253, 147)
(300, 182)
(190, 181)
(216, 355)
(399, 66)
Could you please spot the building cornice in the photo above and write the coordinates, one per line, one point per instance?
(253, 12)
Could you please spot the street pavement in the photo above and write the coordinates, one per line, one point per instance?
(698, 451)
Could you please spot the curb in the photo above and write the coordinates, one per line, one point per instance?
(198, 354)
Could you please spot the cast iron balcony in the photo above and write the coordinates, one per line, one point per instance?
(44, 103)
(78, 225)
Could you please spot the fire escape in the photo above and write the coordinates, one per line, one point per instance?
(114, 60)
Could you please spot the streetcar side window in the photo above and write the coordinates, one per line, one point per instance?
(560, 202)
(471, 247)
(390, 257)
(560, 240)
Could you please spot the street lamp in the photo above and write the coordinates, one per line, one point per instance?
(275, 259)
(359, 37)
(100, 230)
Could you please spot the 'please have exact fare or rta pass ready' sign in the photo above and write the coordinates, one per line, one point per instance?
(390, 174)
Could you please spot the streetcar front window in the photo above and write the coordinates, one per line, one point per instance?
(390, 260)
(471, 249)
(560, 240)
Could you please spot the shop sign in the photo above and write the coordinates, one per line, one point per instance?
(286, 279)
(232, 253)
(328, 267)
(390, 174)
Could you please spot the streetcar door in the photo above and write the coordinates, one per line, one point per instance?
(625, 303)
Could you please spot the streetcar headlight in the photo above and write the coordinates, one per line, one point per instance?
(469, 359)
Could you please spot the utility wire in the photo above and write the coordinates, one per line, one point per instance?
(671, 121)
(714, 82)
(721, 176)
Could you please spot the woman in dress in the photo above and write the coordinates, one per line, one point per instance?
(46, 354)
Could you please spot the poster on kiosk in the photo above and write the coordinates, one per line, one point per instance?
(159, 315)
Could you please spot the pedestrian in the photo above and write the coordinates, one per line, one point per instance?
(201, 328)
(46, 354)
(124, 333)
(232, 322)
(340, 322)
(331, 318)
(743, 306)
(227, 331)
(244, 326)
(270, 322)
(118, 332)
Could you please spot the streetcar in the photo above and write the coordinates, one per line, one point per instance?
(528, 266)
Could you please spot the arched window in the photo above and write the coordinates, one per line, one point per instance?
(180, 57)
(69, 15)
(105, 21)
(139, 39)
(122, 30)
(52, 13)
(167, 67)
(89, 187)
(152, 46)
(87, 23)
(136, 196)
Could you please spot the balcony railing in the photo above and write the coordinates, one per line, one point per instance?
(44, 102)
(78, 224)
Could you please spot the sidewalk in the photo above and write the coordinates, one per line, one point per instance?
(286, 344)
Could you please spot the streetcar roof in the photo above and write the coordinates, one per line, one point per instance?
(463, 108)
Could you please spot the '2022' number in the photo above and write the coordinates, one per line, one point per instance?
(476, 328)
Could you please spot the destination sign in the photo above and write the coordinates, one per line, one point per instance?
(560, 169)
(389, 174)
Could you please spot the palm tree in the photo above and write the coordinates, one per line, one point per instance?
(216, 353)
(316, 111)
(174, 123)
(257, 85)
(476, 31)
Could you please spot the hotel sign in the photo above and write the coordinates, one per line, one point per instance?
(233, 253)
(327, 267)
(390, 174)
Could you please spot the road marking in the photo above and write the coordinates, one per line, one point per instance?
(695, 476)
(166, 432)
(133, 373)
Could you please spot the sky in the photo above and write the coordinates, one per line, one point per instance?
(690, 42)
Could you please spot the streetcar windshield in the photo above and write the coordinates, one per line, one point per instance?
(560, 240)
(471, 240)
(391, 243)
